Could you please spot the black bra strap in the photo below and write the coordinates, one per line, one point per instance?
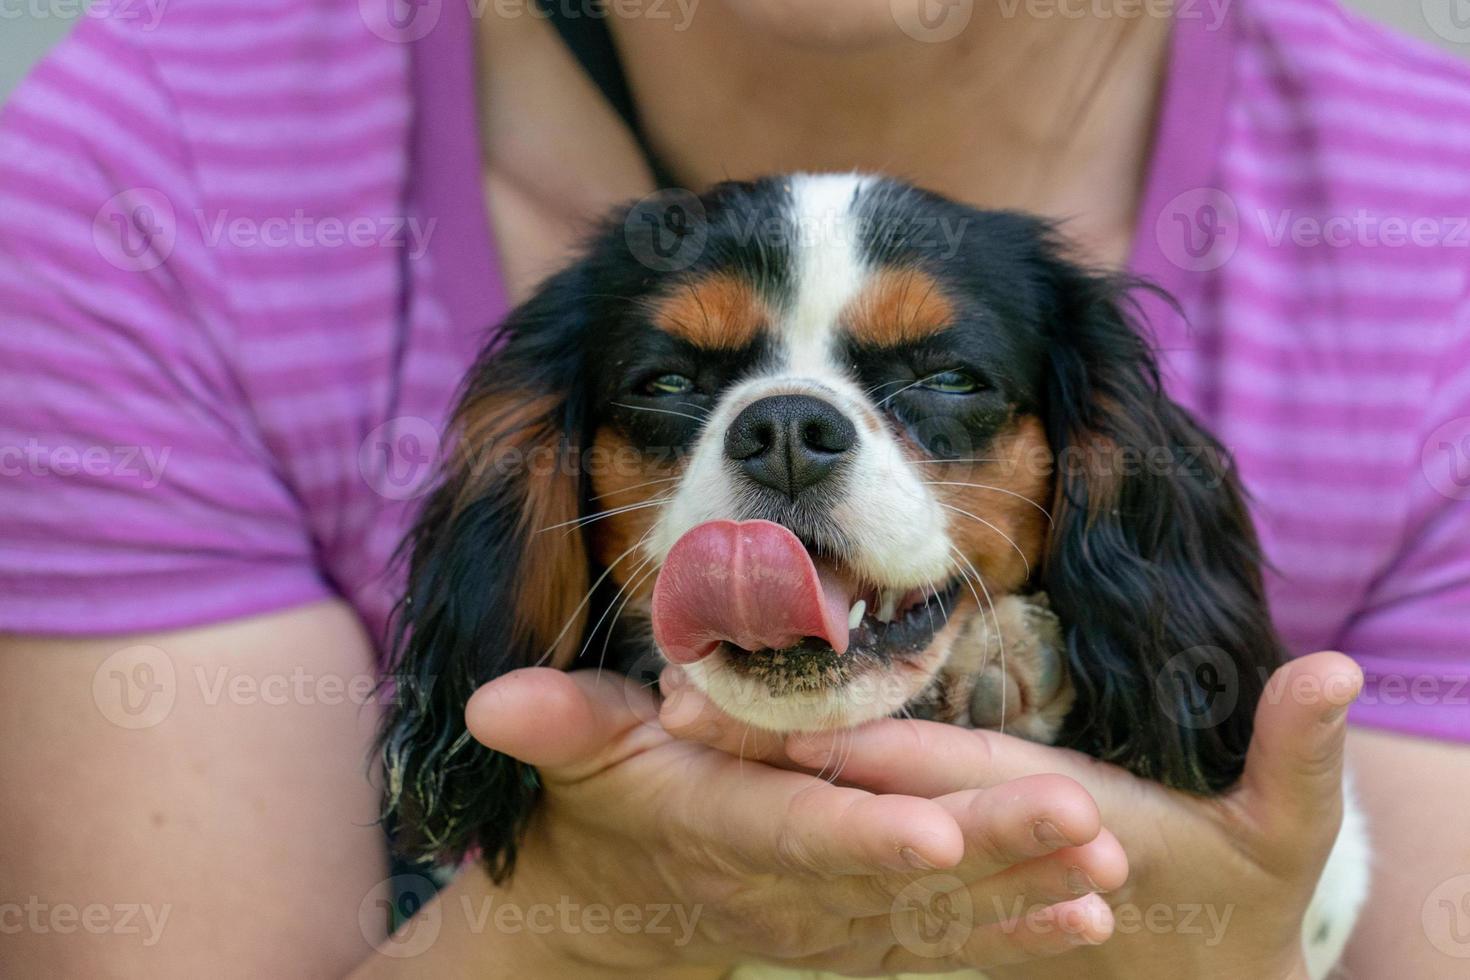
(584, 32)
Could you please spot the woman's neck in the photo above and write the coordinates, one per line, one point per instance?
(1052, 115)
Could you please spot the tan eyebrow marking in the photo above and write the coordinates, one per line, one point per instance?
(720, 311)
(898, 306)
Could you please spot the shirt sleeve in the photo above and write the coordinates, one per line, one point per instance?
(1412, 636)
(135, 491)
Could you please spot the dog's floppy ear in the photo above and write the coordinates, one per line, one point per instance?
(1153, 565)
(497, 573)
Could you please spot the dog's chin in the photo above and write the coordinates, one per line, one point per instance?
(808, 687)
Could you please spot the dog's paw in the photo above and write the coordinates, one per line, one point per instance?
(1008, 672)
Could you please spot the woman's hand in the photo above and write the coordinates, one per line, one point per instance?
(767, 862)
(1218, 886)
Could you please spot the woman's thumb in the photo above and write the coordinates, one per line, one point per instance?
(1293, 771)
(556, 720)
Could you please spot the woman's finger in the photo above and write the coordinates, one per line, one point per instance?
(1038, 837)
(1021, 819)
(936, 931)
(926, 758)
(1098, 866)
(559, 721)
(781, 822)
(1293, 770)
(1095, 868)
(772, 820)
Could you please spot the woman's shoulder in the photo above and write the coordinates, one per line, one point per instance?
(203, 258)
(1349, 146)
(238, 58)
(1329, 53)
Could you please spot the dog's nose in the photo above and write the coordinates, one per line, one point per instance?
(789, 442)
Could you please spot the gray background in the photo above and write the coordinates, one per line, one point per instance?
(29, 27)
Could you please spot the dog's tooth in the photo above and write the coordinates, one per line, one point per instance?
(889, 606)
(855, 614)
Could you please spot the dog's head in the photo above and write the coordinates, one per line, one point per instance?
(811, 415)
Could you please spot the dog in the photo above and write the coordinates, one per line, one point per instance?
(843, 449)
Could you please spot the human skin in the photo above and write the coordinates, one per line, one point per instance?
(779, 864)
(265, 847)
(674, 807)
(1254, 854)
(757, 86)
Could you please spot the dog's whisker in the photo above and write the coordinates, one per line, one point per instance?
(660, 411)
(973, 459)
(586, 598)
(985, 486)
(636, 486)
(913, 384)
(1000, 640)
(1024, 560)
(970, 578)
(634, 583)
(843, 745)
(837, 753)
(601, 515)
(612, 605)
(628, 588)
(849, 745)
(877, 388)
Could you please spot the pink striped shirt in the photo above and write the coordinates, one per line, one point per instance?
(244, 261)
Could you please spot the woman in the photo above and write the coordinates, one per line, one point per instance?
(248, 250)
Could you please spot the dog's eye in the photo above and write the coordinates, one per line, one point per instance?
(951, 383)
(668, 384)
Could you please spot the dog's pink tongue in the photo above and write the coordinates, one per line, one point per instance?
(751, 583)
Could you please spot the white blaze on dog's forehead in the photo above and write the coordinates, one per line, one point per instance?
(896, 529)
(828, 267)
